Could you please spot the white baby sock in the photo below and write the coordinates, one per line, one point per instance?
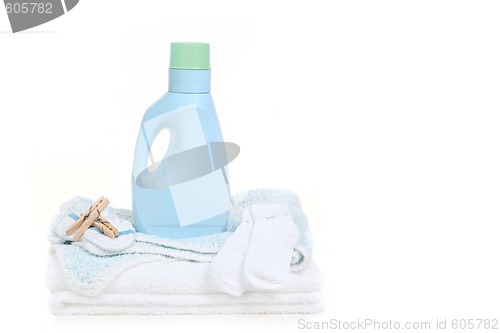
(273, 238)
(227, 266)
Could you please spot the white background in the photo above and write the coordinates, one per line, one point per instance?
(382, 115)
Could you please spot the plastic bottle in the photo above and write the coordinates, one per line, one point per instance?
(184, 193)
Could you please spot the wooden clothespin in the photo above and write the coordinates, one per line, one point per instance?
(86, 220)
(78, 223)
(112, 227)
(99, 223)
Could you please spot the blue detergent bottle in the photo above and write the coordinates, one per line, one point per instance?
(184, 193)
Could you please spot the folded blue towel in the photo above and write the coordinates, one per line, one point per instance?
(89, 269)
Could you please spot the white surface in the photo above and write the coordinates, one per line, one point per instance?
(383, 116)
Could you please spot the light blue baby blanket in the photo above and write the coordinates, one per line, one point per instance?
(89, 270)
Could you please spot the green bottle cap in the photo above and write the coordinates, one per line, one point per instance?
(190, 56)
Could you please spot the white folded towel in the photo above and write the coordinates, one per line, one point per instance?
(181, 287)
(172, 276)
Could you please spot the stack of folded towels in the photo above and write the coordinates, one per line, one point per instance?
(156, 275)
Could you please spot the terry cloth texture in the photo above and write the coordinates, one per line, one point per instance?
(89, 272)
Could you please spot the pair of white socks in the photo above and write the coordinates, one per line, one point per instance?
(259, 252)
